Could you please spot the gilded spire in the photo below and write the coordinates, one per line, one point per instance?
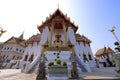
(21, 36)
(58, 6)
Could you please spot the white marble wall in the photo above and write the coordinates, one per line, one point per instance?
(14, 49)
(36, 48)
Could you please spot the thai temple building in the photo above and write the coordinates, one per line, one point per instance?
(104, 56)
(57, 40)
(12, 50)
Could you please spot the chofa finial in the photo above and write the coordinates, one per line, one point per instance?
(2, 31)
(113, 29)
(58, 6)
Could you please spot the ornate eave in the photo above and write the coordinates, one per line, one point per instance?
(34, 38)
(57, 13)
(82, 38)
(14, 40)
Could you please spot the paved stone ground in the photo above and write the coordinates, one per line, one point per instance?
(15, 74)
(97, 74)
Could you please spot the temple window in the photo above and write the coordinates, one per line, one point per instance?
(54, 53)
(5, 48)
(31, 58)
(85, 58)
(89, 56)
(26, 57)
(8, 48)
(11, 48)
(16, 49)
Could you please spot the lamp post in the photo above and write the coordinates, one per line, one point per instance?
(116, 57)
(113, 32)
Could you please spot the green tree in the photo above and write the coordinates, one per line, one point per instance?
(117, 46)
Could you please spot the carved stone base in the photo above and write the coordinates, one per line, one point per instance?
(57, 70)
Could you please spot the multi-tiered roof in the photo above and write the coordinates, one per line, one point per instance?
(48, 22)
(59, 15)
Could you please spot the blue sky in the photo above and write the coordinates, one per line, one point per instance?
(94, 18)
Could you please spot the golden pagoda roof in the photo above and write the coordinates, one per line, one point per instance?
(14, 40)
(103, 51)
(59, 13)
(34, 38)
(82, 38)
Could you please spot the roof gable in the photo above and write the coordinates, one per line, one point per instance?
(57, 15)
(14, 40)
(11, 40)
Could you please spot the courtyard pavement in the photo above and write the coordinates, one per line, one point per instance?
(97, 74)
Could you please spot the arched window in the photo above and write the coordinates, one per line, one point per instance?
(89, 56)
(11, 48)
(16, 49)
(85, 58)
(26, 57)
(31, 58)
(5, 48)
(8, 48)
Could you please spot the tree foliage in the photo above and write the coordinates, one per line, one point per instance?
(117, 46)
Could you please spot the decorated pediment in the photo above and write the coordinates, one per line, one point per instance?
(57, 19)
(11, 40)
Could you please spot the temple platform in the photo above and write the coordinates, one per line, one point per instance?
(97, 74)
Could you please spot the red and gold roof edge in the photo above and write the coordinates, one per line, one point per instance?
(49, 19)
(82, 38)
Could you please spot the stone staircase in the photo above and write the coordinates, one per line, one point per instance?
(30, 67)
(33, 69)
(82, 65)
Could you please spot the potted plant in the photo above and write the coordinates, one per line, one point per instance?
(58, 61)
(50, 64)
(64, 64)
